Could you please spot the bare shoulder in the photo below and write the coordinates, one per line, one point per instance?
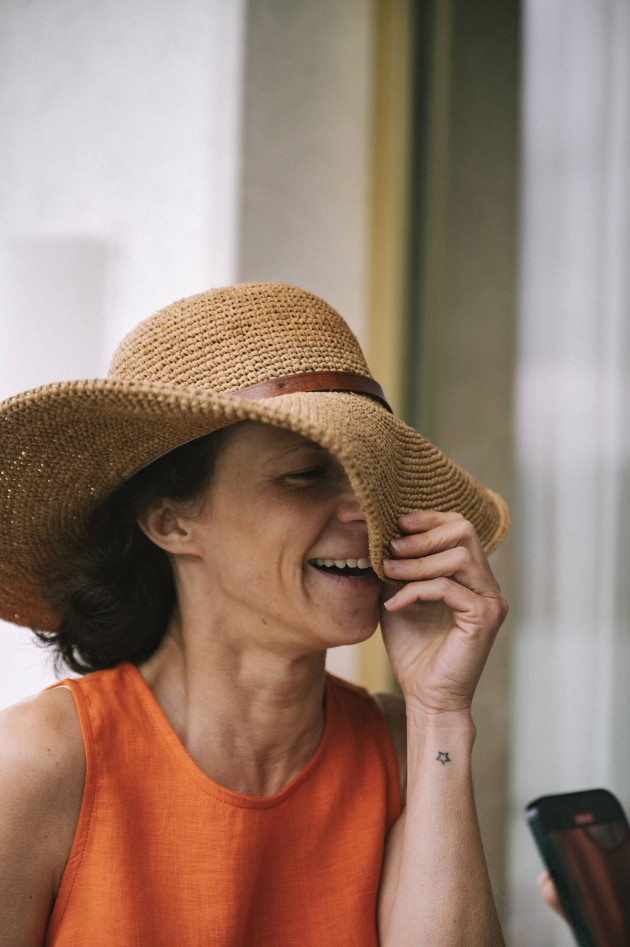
(41, 747)
(42, 772)
(393, 708)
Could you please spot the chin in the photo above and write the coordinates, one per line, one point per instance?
(351, 634)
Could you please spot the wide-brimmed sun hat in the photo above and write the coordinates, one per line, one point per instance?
(257, 351)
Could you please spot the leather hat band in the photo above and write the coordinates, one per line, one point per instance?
(316, 381)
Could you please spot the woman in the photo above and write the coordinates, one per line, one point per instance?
(208, 783)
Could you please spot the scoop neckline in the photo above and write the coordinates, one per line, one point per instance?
(205, 783)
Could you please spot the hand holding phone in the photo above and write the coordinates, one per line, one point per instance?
(584, 839)
(549, 894)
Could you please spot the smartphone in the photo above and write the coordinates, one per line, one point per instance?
(584, 840)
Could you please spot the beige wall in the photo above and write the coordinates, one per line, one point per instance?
(305, 198)
(305, 161)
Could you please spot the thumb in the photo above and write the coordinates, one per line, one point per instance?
(549, 893)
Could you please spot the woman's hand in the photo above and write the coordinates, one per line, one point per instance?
(549, 893)
(439, 628)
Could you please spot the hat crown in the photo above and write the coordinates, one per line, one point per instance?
(231, 338)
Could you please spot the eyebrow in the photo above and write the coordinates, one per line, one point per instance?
(307, 445)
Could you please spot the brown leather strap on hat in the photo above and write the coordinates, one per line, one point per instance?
(316, 381)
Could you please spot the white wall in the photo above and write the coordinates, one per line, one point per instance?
(572, 633)
(118, 185)
(123, 123)
(154, 149)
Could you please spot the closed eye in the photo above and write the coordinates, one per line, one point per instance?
(308, 475)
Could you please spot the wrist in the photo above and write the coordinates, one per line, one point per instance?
(430, 719)
(439, 753)
(430, 734)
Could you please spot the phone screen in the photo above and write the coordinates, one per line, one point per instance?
(595, 862)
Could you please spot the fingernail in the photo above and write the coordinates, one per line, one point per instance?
(395, 545)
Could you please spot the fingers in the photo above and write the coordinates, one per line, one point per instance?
(549, 893)
(439, 627)
(457, 562)
(429, 532)
(440, 544)
(473, 610)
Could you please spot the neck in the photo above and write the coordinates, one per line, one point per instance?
(250, 718)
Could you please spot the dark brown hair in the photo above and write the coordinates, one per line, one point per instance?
(115, 594)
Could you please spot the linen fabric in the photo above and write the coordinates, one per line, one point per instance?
(163, 856)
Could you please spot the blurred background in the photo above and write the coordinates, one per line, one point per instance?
(454, 177)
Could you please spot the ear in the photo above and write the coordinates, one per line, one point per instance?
(164, 525)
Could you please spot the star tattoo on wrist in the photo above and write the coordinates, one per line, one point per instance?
(443, 758)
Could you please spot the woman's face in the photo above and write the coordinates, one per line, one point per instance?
(279, 508)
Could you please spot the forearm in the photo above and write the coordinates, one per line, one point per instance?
(437, 890)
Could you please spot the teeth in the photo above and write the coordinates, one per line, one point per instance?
(343, 563)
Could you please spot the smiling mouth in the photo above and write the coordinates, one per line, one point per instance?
(352, 568)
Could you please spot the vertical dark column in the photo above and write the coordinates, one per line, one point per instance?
(462, 291)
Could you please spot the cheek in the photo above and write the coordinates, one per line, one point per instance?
(255, 555)
(263, 543)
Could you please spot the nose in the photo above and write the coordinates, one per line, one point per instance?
(348, 510)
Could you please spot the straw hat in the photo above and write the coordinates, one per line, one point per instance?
(260, 351)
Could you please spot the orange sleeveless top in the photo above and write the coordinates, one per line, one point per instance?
(165, 857)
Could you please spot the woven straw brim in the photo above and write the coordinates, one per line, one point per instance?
(65, 448)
